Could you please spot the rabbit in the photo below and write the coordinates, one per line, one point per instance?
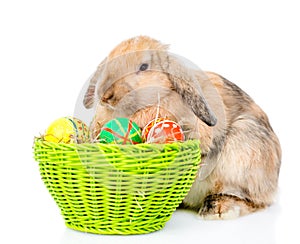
(240, 153)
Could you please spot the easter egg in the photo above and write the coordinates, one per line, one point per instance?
(165, 131)
(147, 128)
(120, 131)
(67, 130)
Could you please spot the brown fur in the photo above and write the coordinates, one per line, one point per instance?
(240, 152)
(139, 43)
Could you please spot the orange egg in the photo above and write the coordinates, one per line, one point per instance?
(165, 131)
(148, 127)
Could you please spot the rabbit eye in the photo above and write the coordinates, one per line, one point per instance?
(143, 67)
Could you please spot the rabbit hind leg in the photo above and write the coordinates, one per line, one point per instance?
(225, 206)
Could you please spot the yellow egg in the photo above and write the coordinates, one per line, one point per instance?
(67, 130)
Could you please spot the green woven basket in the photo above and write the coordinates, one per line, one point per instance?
(117, 189)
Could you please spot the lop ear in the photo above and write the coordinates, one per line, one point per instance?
(182, 75)
(89, 97)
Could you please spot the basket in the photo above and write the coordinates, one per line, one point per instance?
(117, 189)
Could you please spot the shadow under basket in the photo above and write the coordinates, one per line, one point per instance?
(117, 189)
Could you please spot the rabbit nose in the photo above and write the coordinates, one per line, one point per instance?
(108, 96)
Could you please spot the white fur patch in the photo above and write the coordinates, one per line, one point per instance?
(230, 214)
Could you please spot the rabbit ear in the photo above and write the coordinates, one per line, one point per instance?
(89, 97)
(182, 75)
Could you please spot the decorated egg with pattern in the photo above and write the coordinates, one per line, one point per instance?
(120, 131)
(147, 128)
(165, 131)
(67, 130)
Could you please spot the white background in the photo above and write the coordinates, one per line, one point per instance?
(50, 48)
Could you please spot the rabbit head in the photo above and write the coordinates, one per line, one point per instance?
(140, 79)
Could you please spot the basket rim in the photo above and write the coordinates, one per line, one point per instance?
(154, 145)
(133, 159)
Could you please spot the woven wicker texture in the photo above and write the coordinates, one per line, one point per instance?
(117, 189)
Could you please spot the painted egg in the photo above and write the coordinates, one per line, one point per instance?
(120, 131)
(166, 131)
(148, 127)
(67, 130)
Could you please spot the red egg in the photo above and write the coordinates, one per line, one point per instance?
(165, 131)
(149, 126)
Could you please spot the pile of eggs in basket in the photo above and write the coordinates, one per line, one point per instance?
(118, 130)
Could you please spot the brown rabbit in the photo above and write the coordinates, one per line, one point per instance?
(241, 154)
